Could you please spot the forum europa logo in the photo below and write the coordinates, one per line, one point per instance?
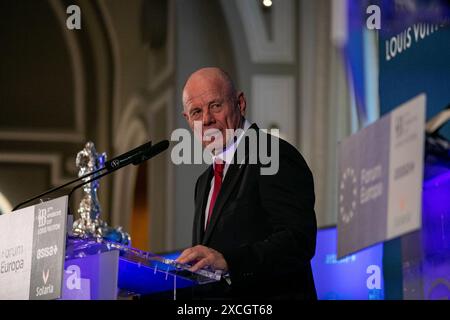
(348, 193)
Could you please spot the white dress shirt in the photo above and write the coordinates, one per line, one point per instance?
(226, 156)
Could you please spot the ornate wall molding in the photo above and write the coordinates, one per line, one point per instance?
(53, 160)
(77, 135)
(115, 53)
(273, 103)
(279, 49)
(168, 69)
(131, 132)
(136, 127)
(165, 101)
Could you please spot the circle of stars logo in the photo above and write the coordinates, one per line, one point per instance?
(347, 187)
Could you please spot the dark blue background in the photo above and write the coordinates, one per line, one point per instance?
(424, 67)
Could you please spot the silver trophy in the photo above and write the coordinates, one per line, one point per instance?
(89, 224)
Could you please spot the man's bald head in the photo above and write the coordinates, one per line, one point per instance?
(209, 77)
(209, 98)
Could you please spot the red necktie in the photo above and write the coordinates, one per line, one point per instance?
(218, 175)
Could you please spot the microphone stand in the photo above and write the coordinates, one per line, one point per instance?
(61, 187)
(135, 157)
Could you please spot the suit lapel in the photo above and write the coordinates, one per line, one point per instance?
(231, 178)
(200, 205)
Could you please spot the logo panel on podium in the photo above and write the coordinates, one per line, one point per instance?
(32, 247)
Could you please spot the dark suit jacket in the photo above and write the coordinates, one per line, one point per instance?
(264, 225)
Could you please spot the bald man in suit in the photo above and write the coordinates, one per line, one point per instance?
(259, 229)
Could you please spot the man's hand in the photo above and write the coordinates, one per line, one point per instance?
(201, 257)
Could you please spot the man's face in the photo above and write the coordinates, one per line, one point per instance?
(211, 107)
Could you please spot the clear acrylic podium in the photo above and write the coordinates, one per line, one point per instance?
(99, 269)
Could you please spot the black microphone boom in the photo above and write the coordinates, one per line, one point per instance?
(135, 156)
(142, 155)
(127, 157)
(151, 152)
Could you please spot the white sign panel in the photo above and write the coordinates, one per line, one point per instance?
(32, 246)
(380, 179)
(406, 168)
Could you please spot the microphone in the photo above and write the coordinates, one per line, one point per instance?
(135, 156)
(128, 157)
(145, 152)
(149, 153)
(438, 121)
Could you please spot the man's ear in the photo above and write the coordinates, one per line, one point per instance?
(185, 116)
(242, 103)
